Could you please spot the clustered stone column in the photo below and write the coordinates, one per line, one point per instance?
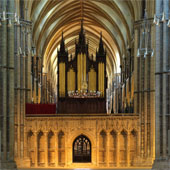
(162, 85)
(7, 88)
(22, 70)
(144, 91)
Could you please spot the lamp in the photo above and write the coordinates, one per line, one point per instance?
(18, 21)
(24, 55)
(3, 16)
(15, 18)
(152, 53)
(162, 17)
(144, 47)
(138, 53)
(155, 19)
(146, 53)
(33, 51)
(158, 22)
(9, 17)
(20, 50)
(168, 24)
(9, 23)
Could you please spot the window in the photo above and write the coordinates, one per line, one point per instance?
(81, 149)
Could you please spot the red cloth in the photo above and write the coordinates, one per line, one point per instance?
(40, 108)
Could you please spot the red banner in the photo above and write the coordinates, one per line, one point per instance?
(40, 108)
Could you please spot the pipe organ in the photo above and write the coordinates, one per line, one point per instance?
(82, 79)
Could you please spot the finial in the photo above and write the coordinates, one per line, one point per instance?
(101, 34)
(82, 25)
(62, 44)
(62, 35)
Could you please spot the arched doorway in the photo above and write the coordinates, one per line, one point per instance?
(82, 149)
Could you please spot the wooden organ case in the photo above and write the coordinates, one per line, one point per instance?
(82, 79)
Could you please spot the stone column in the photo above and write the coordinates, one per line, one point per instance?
(56, 149)
(3, 48)
(36, 148)
(66, 148)
(138, 144)
(136, 77)
(25, 145)
(22, 92)
(46, 148)
(11, 7)
(97, 149)
(158, 80)
(107, 149)
(0, 149)
(162, 87)
(17, 91)
(166, 67)
(118, 149)
(128, 149)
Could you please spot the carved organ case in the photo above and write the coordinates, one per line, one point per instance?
(81, 79)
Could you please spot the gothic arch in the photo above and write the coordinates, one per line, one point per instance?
(82, 132)
(113, 147)
(61, 148)
(133, 145)
(41, 150)
(123, 147)
(82, 149)
(51, 148)
(102, 146)
(31, 147)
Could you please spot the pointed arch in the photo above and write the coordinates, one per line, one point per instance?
(41, 150)
(51, 148)
(102, 147)
(82, 149)
(133, 146)
(123, 147)
(112, 147)
(31, 147)
(61, 148)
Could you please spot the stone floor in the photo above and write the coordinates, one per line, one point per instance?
(86, 169)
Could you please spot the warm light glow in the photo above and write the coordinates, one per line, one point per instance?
(82, 169)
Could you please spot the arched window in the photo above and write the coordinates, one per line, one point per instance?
(81, 149)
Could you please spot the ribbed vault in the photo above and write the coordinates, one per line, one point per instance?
(114, 18)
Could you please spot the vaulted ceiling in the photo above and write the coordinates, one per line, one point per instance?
(114, 18)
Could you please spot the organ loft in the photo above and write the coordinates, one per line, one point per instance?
(82, 79)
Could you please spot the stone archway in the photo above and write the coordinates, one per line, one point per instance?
(82, 150)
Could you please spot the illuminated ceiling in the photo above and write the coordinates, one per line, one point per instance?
(114, 18)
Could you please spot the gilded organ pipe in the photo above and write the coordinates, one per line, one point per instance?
(71, 80)
(62, 79)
